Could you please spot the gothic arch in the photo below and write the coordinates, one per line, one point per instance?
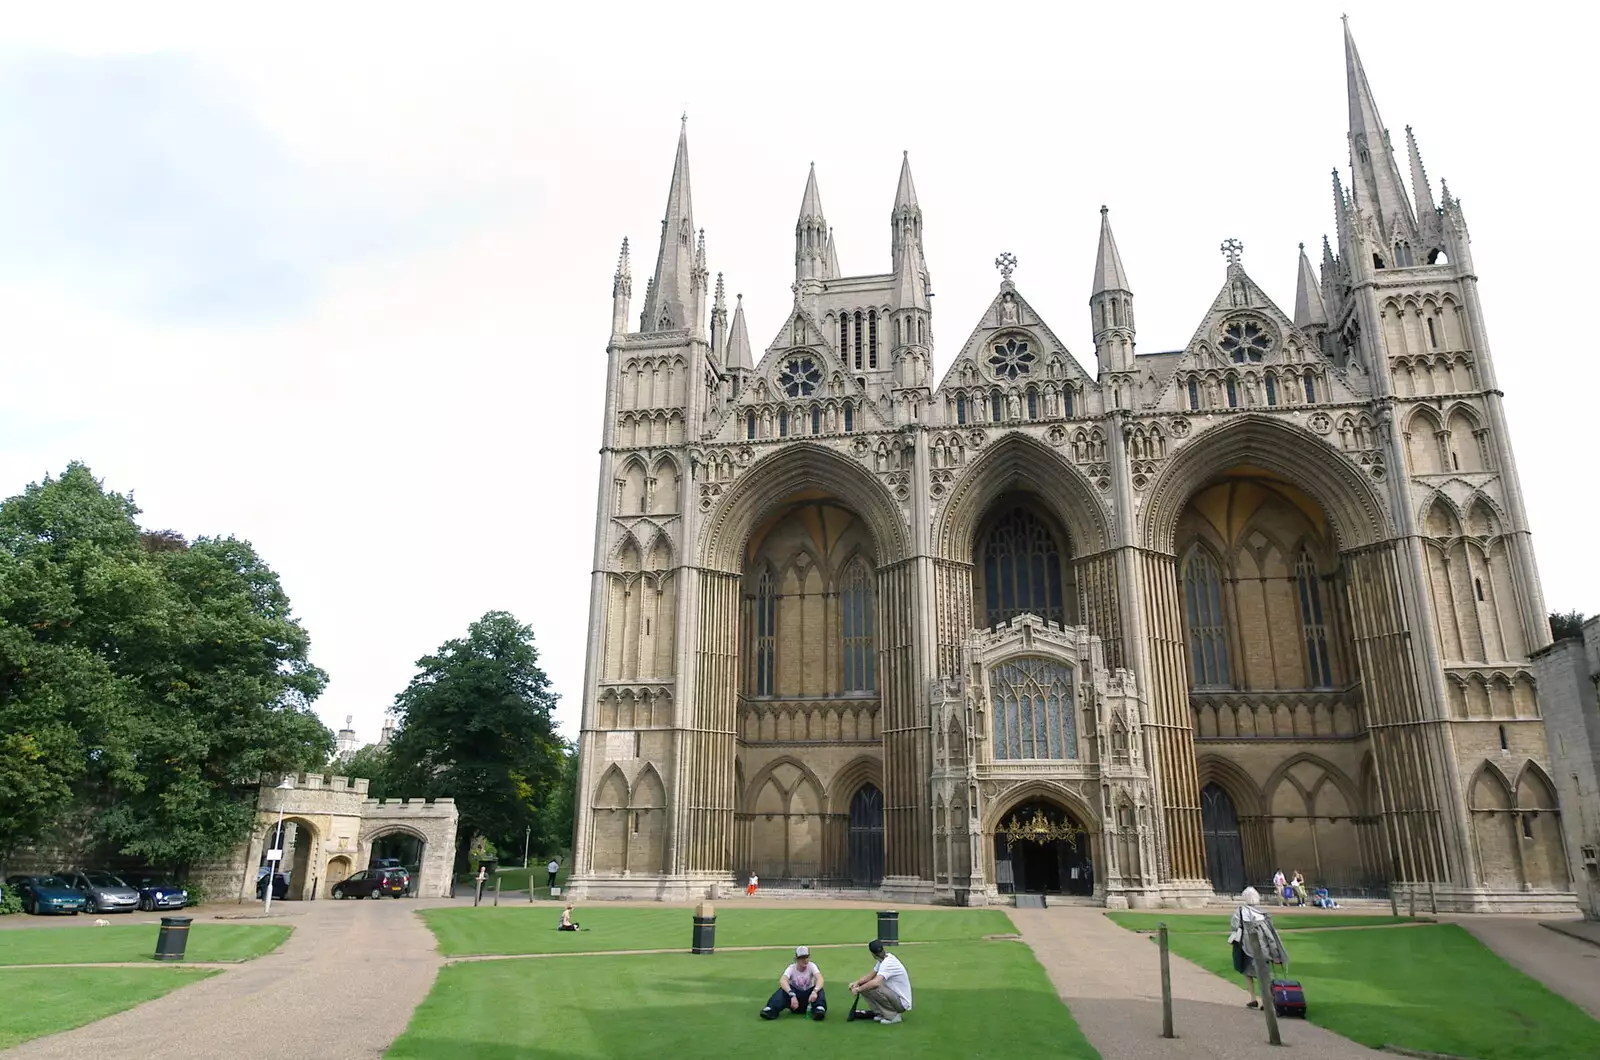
(628, 557)
(1352, 796)
(1348, 497)
(1047, 790)
(864, 769)
(1450, 519)
(1020, 463)
(1490, 774)
(801, 467)
(612, 791)
(806, 778)
(649, 793)
(1230, 777)
(1532, 772)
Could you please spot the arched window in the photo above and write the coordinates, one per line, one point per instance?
(872, 338)
(1311, 386)
(1033, 404)
(1021, 570)
(844, 333)
(1194, 393)
(961, 408)
(856, 625)
(783, 423)
(1032, 707)
(1433, 338)
(1208, 639)
(1272, 389)
(849, 417)
(816, 420)
(1318, 673)
(766, 604)
(1233, 393)
(996, 406)
(750, 423)
(858, 340)
(1066, 397)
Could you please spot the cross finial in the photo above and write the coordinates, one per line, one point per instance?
(1007, 264)
(1231, 249)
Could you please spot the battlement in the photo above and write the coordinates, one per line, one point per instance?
(404, 807)
(319, 782)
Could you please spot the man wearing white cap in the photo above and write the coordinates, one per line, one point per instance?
(799, 989)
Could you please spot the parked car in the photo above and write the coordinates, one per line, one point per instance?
(280, 884)
(373, 883)
(102, 892)
(386, 863)
(46, 894)
(157, 892)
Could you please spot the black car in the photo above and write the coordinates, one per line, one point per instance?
(46, 894)
(280, 885)
(157, 892)
(373, 883)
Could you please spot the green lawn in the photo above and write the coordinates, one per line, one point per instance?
(1432, 988)
(40, 1001)
(1211, 923)
(972, 1000)
(135, 942)
(524, 928)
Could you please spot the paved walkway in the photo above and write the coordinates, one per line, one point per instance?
(1568, 966)
(1111, 979)
(343, 985)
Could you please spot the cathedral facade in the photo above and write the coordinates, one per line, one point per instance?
(1144, 633)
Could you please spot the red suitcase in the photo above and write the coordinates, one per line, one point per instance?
(1288, 998)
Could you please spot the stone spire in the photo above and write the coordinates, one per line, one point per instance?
(833, 258)
(811, 234)
(1111, 305)
(1309, 312)
(621, 292)
(719, 324)
(738, 356)
(905, 220)
(669, 305)
(1377, 191)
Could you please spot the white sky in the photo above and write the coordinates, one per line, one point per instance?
(339, 283)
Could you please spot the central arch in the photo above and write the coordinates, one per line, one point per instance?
(1059, 804)
(1018, 463)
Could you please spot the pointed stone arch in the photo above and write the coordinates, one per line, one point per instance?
(1346, 787)
(664, 494)
(1020, 463)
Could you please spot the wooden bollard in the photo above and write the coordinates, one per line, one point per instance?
(1166, 985)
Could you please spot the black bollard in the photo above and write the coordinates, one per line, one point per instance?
(889, 927)
(174, 938)
(705, 929)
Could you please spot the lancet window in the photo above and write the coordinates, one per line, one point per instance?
(856, 622)
(1208, 640)
(1315, 628)
(1021, 570)
(766, 630)
(1031, 700)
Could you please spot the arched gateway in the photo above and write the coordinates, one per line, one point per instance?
(1210, 612)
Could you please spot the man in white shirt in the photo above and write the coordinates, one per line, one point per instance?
(887, 989)
(799, 989)
(552, 868)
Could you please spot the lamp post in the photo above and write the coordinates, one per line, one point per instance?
(286, 784)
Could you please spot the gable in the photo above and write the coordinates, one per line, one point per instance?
(1011, 322)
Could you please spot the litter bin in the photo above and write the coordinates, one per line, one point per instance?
(889, 927)
(174, 938)
(705, 928)
(963, 897)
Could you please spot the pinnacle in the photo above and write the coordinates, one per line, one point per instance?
(1108, 272)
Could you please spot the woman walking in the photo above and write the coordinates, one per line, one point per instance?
(1249, 919)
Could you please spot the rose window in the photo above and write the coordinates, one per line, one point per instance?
(800, 377)
(1244, 341)
(1012, 358)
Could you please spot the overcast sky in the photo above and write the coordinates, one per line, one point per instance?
(340, 284)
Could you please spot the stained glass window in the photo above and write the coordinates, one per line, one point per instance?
(1011, 357)
(1032, 710)
(1208, 643)
(766, 605)
(856, 624)
(1318, 673)
(1245, 341)
(800, 377)
(1021, 570)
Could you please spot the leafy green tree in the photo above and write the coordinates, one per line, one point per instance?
(1564, 625)
(475, 724)
(557, 818)
(371, 763)
(145, 682)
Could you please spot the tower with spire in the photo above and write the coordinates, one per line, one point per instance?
(853, 624)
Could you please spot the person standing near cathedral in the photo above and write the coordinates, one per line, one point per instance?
(799, 989)
(750, 888)
(552, 868)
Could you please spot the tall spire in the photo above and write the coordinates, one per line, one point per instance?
(811, 234)
(1111, 304)
(739, 340)
(621, 291)
(670, 304)
(905, 220)
(1108, 273)
(1309, 311)
(833, 258)
(1377, 191)
(719, 323)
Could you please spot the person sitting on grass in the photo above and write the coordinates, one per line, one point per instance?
(799, 989)
(887, 988)
(567, 923)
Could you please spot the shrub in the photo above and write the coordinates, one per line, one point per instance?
(11, 903)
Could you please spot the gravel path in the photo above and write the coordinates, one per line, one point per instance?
(343, 985)
(1111, 979)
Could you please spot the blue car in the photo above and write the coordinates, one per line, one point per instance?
(156, 892)
(46, 894)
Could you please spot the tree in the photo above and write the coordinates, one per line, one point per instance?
(371, 763)
(559, 813)
(1564, 625)
(145, 682)
(475, 724)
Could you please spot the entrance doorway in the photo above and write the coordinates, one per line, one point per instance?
(1046, 865)
(297, 839)
(1219, 824)
(866, 837)
(403, 847)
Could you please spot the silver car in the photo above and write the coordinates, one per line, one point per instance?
(102, 892)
